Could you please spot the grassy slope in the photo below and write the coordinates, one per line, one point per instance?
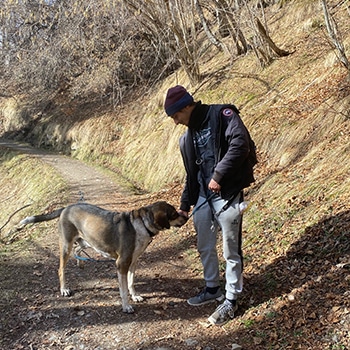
(27, 183)
(296, 110)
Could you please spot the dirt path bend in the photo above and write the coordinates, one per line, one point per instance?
(34, 316)
(86, 182)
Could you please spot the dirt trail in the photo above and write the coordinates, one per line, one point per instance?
(85, 182)
(34, 316)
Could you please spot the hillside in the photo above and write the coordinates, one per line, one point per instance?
(297, 228)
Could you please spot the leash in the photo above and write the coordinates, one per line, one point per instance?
(225, 207)
(217, 214)
(229, 202)
(200, 206)
(88, 258)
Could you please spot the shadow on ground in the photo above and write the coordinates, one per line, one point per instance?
(301, 292)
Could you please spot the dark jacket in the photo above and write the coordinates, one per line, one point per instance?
(233, 169)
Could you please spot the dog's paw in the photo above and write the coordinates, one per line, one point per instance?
(128, 309)
(66, 292)
(137, 298)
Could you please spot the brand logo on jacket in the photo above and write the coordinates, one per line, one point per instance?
(227, 112)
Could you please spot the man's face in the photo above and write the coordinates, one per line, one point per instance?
(183, 116)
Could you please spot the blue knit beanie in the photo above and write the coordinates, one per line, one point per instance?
(176, 99)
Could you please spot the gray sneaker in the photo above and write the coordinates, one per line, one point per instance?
(204, 297)
(223, 313)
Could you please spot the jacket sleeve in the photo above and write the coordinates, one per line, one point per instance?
(236, 149)
(191, 189)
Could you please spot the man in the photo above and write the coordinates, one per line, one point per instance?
(218, 156)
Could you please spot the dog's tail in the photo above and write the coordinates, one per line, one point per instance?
(40, 218)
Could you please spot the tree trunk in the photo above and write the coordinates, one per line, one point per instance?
(269, 41)
(207, 30)
(333, 33)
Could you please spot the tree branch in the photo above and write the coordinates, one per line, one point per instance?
(12, 215)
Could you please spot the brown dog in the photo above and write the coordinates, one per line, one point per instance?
(121, 236)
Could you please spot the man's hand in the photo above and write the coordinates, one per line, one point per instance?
(183, 213)
(214, 186)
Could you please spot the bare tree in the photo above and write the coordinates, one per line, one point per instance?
(263, 33)
(335, 36)
(183, 27)
(262, 44)
(212, 38)
(171, 25)
(82, 48)
(227, 15)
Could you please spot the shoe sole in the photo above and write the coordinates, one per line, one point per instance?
(220, 298)
(214, 322)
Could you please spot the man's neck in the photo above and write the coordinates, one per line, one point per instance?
(198, 116)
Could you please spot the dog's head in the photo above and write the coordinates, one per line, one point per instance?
(166, 216)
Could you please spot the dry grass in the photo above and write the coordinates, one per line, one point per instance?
(296, 110)
(29, 181)
(290, 107)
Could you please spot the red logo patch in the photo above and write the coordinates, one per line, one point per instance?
(227, 112)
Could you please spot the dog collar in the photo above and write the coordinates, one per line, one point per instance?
(152, 234)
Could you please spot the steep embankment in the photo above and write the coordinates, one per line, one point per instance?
(295, 108)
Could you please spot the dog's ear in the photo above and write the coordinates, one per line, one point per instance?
(161, 219)
(161, 214)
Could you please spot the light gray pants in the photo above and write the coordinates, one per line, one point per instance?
(230, 222)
